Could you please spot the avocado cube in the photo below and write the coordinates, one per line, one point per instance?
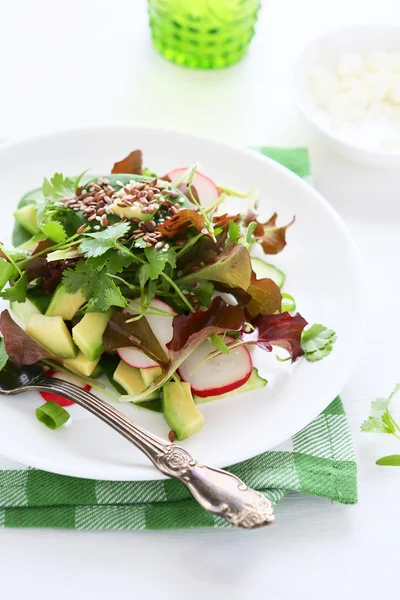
(88, 333)
(25, 310)
(65, 305)
(52, 333)
(149, 375)
(81, 365)
(31, 244)
(27, 218)
(131, 212)
(179, 409)
(132, 381)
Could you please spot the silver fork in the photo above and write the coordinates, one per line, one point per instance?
(217, 491)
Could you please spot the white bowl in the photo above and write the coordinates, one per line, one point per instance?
(323, 53)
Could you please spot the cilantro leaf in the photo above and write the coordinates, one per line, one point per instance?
(381, 421)
(114, 261)
(158, 259)
(58, 187)
(98, 288)
(317, 342)
(3, 354)
(55, 231)
(105, 294)
(17, 292)
(234, 232)
(81, 278)
(373, 425)
(380, 404)
(98, 243)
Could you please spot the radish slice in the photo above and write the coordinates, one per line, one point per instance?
(206, 189)
(221, 374)
(161, 326)
(136, 358)
(61, 400)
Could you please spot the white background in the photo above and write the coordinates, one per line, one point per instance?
(89, 62)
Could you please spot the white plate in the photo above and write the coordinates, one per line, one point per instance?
(323, 273)
(324, 53)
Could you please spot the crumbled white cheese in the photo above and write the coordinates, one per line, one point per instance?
(362, 90)
(358, 80)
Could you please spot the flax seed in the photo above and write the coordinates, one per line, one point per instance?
(91, 218)
(81, 228)
(104, 221)
(159, 245)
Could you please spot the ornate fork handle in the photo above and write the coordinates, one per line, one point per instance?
(217, 491)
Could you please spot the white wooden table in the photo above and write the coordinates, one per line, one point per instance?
(89, 62)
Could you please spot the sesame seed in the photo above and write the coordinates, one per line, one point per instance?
(97, 227)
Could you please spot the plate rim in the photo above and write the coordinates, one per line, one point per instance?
(150, 473)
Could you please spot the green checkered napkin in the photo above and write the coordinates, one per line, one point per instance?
(318, 461)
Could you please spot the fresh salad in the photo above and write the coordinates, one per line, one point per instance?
(148, 280)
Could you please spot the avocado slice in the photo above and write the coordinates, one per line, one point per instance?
(254, 382)
(25, 310)
(81, 365)
(132, 212)
(65, 305)
(88, 333)
(132, 381)
(27, 217)
(31, 244)
(179, 409)
(62, 255)
(53, 334)
(35, 304)
(149, 375)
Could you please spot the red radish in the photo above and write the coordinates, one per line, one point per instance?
(61, 400)
(206, 189)
(161, 326)
(136, 358)
(219, 375)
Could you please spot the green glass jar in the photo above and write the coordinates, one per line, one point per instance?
(203, 34)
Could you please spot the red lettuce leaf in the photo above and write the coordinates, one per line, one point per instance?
(130, 164)
(192, 330)
(266, 297)
(177, 225)
(271, 237)
(196, 327)
(231, 268)
(277, 330)
(225, 219)
(20, 347)
(138, 334)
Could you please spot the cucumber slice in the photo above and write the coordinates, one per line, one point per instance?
(253, 383)
(288, 303)
(263, 270)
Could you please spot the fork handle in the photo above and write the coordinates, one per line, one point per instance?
(217, 491)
